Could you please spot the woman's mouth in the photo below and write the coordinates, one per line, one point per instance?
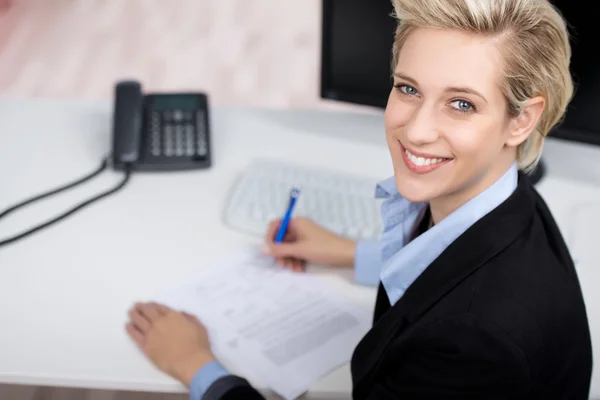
(422, 164)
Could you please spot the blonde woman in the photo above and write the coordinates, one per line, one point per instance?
(478, 296)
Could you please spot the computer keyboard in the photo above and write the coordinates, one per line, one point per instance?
(342, 203)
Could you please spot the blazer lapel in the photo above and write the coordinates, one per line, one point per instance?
(482, 241)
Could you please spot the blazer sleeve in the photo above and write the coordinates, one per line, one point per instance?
(231, 387)
(459, 357)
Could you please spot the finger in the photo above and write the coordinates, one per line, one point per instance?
(290, 236)
(291, 262)
(290, 232)
(149, 311)
(297, 268)
(272, 231)
(135, 334)
(270, 237)
(139, 320)
(298, 265)
(192, 318)
(295, 249)
(161, 308)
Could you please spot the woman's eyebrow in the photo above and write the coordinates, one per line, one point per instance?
(466, 90)
(453, 89)
(406, 78)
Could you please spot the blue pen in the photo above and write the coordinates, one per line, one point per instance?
(294, 193)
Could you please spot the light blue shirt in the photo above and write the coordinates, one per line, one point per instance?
(395, 260)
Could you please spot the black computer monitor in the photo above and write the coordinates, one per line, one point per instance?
(357, 37)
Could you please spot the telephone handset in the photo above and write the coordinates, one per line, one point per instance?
(160, 132)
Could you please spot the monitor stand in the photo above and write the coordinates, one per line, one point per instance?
(538, 173)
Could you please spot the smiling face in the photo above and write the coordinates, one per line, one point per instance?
(446, 120)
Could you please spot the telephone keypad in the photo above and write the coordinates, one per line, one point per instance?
(200, 117)
(178, 133)
(155, 146)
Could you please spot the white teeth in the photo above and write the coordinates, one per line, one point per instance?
(420, 161)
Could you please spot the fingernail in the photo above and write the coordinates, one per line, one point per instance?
(265, 250)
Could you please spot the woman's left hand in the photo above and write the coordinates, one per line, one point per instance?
(177, 343)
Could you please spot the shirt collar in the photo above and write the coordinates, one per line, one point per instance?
(404, 261)
(386, 188)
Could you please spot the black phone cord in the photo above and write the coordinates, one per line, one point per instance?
(60, 189)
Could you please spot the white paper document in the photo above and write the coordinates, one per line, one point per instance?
(281, 328)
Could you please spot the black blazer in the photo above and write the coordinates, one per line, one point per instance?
(498, 315)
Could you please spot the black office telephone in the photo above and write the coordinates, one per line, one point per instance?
(155, 132)
(160, 132)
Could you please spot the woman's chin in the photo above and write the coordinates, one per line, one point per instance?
(414, 189)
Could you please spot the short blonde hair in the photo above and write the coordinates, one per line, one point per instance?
(533, 39)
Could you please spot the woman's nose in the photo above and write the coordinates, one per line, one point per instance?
(421, 127)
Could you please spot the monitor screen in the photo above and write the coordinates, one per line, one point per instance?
(357, 38)
(582, 121)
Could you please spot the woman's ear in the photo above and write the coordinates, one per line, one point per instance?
(523, 125)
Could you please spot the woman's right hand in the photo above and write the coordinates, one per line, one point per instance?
(305, 241)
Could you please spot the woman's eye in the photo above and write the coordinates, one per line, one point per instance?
(406, 89)
(462, 105)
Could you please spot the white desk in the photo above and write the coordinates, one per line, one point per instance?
(65, 291)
